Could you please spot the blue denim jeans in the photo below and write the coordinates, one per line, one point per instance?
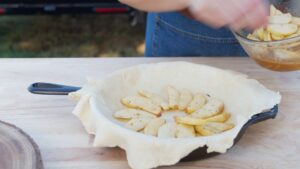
(173, 34)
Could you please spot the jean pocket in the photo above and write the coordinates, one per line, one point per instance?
(169, 41)
(196, 36)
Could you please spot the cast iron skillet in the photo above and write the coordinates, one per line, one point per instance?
(198, 154)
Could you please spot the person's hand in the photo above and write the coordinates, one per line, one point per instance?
(236, 14)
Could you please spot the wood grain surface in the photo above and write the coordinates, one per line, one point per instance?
(273, 144)
(17, 149)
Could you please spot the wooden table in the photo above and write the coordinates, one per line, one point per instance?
(65, 145)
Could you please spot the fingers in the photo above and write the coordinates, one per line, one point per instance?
(201, 12)
(252, 19)
(213, 12)
(226, 15)
(259, 17)
(236, 14)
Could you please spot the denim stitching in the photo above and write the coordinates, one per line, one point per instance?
(197, 36)
(154, 45)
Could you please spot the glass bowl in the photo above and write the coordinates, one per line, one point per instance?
(281, 55)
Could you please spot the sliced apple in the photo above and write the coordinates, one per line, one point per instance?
(185, 131)
(252, 37)
(143, 103)
(282, 29)
(173, 97)
(213, 128)
(198, 101)
(274, 11)
(132, 113)
(185, 98)
(213, 107)
(281, 19)
(294, 35)
(138, 124)
(285, 54)
(168, 130)
(296, 20)
(219, 127)
(277, 37)
(189, 120)
(267, 36)
(221, 118)
(153, 126)
(203, 131)
(155, 98)
(259, 33)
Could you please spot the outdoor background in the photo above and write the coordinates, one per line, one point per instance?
(70, 36)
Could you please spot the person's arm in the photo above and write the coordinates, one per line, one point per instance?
(158, 5)
(236, 14)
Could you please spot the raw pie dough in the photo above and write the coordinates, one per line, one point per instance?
(99, 99)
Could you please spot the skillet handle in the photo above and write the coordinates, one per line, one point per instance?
(270, 114)
(51, 89)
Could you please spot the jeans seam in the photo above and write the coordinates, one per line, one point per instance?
(154, 45)
(196, 36)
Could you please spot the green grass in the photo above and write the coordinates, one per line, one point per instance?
(69, 36)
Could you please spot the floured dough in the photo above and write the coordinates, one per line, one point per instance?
(98, 101)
